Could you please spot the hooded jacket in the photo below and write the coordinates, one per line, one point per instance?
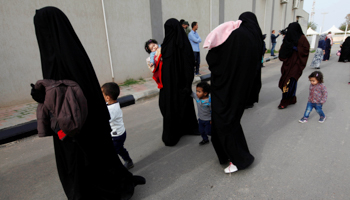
(64, 107)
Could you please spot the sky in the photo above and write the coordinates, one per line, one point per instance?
(336, 9)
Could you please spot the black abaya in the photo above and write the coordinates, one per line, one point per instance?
(233, 64)
(327, 51)
(87, 164)
(175, 103)
(345, 51)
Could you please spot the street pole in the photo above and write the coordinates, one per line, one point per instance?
(324, 14)
(346, 29)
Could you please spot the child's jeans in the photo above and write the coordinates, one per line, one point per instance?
(204, 128)
(118, 143)
(318, 108)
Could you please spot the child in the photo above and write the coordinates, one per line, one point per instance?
(152, 47)
(317, 96)
(204, 110)
(111, 92)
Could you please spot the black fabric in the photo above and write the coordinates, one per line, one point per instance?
(87, 164)
(232, 66)
(345, 51)
(176, 106)
(290, 40)
(327, 51)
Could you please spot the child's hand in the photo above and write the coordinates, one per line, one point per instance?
(210, 121)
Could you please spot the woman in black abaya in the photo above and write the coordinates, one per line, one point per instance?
(87, 164)
(233, 65)
(175, 103)
(294, 53)
(345, 51)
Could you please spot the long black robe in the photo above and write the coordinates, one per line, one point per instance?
(87, 164)
(176, 105)
(327, 51)
(233, 64)
(345, 51)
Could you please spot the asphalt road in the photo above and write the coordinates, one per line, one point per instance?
(292, 160)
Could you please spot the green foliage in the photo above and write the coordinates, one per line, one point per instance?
(313, 25)
(343, 25)
(131, 81)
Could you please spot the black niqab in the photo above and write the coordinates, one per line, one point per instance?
(87, 164)
(233, 65)
(345, 51)
(176, 105)
(294, 32)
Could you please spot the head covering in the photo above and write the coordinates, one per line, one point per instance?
(87, 164)
(264, 36)
(175, 104)
(233, 65)
(345, 51)
(294, 32)
(322, 37)
(220, 34)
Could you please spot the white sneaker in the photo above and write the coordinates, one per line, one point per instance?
(231, 168)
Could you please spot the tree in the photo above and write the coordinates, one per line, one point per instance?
(313, 25)
(343, 25)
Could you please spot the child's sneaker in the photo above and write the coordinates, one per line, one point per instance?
(128, 164)
(303, 120)
(231, 168)
(322, 119)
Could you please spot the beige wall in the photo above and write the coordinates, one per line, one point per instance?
(20, 59)
(129, 26)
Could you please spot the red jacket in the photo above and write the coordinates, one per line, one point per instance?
(64, 108)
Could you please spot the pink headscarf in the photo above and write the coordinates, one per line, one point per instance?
(220, 34)
(329, 36)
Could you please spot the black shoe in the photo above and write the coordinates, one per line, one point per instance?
(204, 142)
(138, 180)
(128, 164)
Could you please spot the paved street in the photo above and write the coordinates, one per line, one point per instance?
(292, 160)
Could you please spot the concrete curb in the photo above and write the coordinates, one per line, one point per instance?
(29, 128)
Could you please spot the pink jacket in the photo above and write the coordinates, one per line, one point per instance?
(64, 108)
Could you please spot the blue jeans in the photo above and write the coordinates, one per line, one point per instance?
(118, 143)
(273, 49)
(197, 61)
(204, 128)
(318, 108)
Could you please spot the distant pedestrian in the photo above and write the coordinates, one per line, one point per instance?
(264, 50)
(203, 100)
(320, 51)
(328, 46)
(195, 40)
(185, 25)
(317, 97)
(294, 53)
(110, 93)
(273, 41)
(345, 51)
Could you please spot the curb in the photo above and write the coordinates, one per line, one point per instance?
(29, 128)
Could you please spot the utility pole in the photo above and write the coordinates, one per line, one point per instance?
(312, 12)
(324, 14)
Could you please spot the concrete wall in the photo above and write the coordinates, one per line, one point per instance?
(129, 22)
(19, 54)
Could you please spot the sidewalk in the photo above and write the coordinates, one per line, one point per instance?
(19, 119)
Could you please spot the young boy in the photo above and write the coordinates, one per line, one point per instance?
(111, 92)
(204, 110)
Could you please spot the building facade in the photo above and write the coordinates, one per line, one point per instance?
(113, 33)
